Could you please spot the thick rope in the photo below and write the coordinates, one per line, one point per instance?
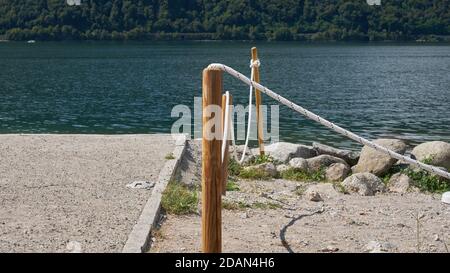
(327, 123)
(226, 122)
(253, 64)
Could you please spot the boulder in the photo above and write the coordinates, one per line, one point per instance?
(438, 152)
(322, 161)
(249, 153)
(299, 163)
(399, 183)
(283, 167)
(376, 162)
(284, 151)
(337, 172)
(350, 157)
(267, 168)
(363, 183)
(326, 190)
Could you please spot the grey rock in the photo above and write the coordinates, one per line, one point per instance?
(326, 190)
(437, 151)
(399, 183)
(363, 183)
(284, 151)
(376, 162)
(146, 185)
(322, 161)
(249, 153)
(337, 172)
(283, 167)
(312, 195)
(377, 247)
(350, 157)
(299, 163)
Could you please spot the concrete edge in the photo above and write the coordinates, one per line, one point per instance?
(138, 238)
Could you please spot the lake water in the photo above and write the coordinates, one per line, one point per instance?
(376, 90)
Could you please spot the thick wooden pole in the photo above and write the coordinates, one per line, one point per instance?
(212, 165)
(226, 158)
(259, 116)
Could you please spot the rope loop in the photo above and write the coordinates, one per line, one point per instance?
(255, 63)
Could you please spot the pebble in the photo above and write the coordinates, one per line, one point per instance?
(243, 215)
(436, 237)
(330, 249)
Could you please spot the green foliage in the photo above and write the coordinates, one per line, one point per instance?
(260, 159)
(422, 179)
(179, 199)
(427, 182)
(232, 186)
(234, 168)
(297, 175)
(224, 19)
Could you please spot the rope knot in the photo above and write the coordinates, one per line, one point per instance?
(255, 63)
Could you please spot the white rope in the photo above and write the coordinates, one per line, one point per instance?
(225, 126)
(327, 123)
(253, 65)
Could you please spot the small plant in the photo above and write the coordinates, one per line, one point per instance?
(261, 159)
(300, 190)
(234, 168)
(426, 181)
(179, 199)
(297, 175)
(169, 156)
(232, 186)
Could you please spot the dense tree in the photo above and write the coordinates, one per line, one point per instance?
(225, 19)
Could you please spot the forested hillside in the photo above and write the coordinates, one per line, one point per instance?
(225, 19)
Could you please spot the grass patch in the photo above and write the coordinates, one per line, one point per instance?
(179, 199)
(297, 175)
(169, 156)
(232, 186)
(260, 205)
(256, 174)
(234, 205)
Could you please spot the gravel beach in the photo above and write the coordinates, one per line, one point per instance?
(67, 193)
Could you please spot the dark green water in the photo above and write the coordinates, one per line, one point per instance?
(114, 88)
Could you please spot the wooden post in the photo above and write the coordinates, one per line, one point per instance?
(259, 117)
(211, 166)
(226, 158)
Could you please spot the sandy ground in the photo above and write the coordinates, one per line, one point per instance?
(388, 222)
(61, 193)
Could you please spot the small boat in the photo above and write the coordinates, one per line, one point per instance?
(31, 42)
